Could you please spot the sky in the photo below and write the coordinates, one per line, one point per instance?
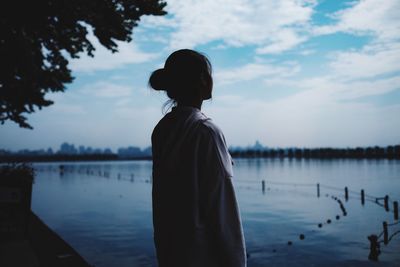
(304, 73)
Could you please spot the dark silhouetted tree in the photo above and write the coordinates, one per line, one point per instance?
(298, 153)
(390, 152)
(397, 151)
(306, 153)
(37, 37)
(290, 153)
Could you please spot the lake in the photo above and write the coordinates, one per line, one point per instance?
(103, 209)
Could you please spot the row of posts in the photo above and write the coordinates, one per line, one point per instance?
(346, 196)
(104, 174)
(91, 172)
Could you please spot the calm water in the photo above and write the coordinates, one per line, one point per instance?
(108, 219)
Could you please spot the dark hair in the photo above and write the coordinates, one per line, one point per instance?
(186, 76)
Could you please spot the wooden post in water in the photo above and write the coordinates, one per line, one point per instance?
(385, 233)
(396, 210)
(362, 197)
(387, 203)
(317, 189)
(62, 169)
(119, 176)
(263, 186)
(374, 248)
(346, 193)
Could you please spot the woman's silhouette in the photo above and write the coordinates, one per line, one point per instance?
(195, 214)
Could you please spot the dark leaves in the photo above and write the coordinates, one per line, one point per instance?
(35, 35)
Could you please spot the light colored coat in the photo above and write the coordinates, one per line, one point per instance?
(195, 214)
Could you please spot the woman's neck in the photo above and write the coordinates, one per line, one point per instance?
(194, 104)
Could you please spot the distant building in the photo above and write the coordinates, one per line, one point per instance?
(89, 150)
(147, 152)
(258, 146)
(107, 151)
(82, 150)
(67, 149)
(129, 152)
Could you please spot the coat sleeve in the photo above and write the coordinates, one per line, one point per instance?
(219, 203)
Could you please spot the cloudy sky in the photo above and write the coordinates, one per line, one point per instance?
(303, 73)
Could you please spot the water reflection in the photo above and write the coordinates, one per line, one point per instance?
(108, 219)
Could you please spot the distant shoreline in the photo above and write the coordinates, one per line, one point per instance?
(69, 153)
(61, 158)
(237, 155)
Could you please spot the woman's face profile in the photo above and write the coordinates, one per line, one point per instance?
(208, 88)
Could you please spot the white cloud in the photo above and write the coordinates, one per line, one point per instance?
(314, 117)
(367, 17)
(273, 26)
(336, 90)
(380, 17)
(107, 90)
(371, 61)
(67, 108)
(307, 52)
(128, 53)
(367, 88)
(282, 40)
(123, 102)
(374, 68)
(252, 71)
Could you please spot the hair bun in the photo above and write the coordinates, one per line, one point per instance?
(158, 80)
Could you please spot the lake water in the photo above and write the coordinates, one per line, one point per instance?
(108, 219)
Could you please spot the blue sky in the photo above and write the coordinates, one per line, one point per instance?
(303, 73)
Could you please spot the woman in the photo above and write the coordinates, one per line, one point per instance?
(195, 215)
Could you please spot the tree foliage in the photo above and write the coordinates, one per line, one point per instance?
(376, 152)
(37, 37)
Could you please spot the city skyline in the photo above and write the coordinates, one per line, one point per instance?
(68, 152)
(69, 148)
(287, 73)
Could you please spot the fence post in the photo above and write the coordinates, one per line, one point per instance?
(62, 169)
(362, 197)
(346, 193)
(317, 189)
(385, 233)
(396, 210)
(374, 248)
(387, 203)
(263, 186)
